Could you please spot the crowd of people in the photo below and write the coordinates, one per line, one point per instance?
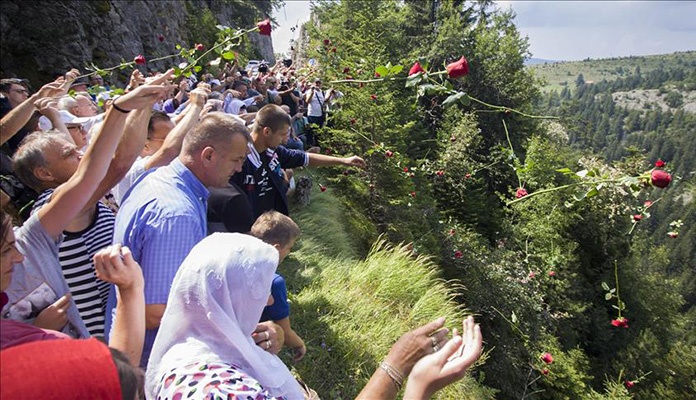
(155, 221)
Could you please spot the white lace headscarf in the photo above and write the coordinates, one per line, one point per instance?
(214, 305)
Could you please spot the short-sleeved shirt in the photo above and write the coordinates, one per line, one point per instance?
(263, 180)
(280, 308)
(76, 252)
(138, 168)
(38, 282)
(161, 219)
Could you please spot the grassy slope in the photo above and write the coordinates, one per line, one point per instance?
(597, 70)
(350, 309)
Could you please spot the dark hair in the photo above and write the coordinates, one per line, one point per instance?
(6, 84)
(237, 84)
(155, 117)
(271, 116)
(131, 378)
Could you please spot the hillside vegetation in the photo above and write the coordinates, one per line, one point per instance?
(558, 75)
(527, 200)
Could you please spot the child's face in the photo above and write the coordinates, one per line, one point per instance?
(284, 251)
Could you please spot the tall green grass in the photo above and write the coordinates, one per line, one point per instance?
(350, 308)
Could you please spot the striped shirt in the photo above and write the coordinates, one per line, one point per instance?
(75, 254)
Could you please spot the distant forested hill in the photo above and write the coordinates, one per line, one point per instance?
(632, 107)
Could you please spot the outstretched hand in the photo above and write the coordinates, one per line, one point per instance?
(146, 95)
(449, 364)
(414, 345)
(354, 161)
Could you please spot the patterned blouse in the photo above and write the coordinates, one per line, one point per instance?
(210, 381)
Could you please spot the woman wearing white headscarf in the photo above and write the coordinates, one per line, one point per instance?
(204, 347)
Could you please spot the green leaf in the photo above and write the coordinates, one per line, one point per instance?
(612, 290)
(513, 318)
(564, 171)
(197, 68)
(429, 89)
(382, 70)
(178, 47)
(228, 55)
(453, 99)
(592, 192)
(396, 69)
(605, 286)
(414, 79)
(608, 296)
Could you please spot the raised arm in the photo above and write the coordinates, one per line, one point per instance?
(74, 194)
(172, 143)
(115, 264)
(19, 116)
(130, 145)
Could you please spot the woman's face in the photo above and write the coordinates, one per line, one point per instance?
(9, 256)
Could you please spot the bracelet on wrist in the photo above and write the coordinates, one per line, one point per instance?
(113, 104)
(396, 376)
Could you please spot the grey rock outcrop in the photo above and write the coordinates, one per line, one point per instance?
(40, 39)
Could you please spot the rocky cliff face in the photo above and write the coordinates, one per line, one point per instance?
(40, 39)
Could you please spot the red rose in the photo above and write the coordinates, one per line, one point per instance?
(160, 38)
(547, 358)
(346, 70)
(199, 46)
(521, 192)
(673, 235)
(327, 42)
(458, 254)
(453, 139)
(388, 153)
(362, 84)
(532, 274)
(405, 169)
(413, 194)
(467, 176)
(620, 322)
(333, 49)
(629, 384)
(415, 69)
(545, 371)
(440, 173)
(373, 96)
(322, 188)
(659, 163)
(139, 59)
(352, 121)
(452, 232)
(552, 273)
(647, 203)
(264, 27)
(377, 75)
(660, 178)
(637, 217)
(458, 69)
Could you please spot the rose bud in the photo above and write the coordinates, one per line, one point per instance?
(199, 46)
(545, 371)
(673, 235)
(458, 69)
(659, 163)
(139, 59)
(413, 194)
(620, 322)
(521, 192)
(629, 384)
(660, 178)
(333, 49)
(327, 42)
(547, 358)
(637, 217)
(458, 254)
(160, 38)
(388, 153)
(352, 121)
(322, 188)
(416, 68)
(647, 203)
(373, 96)
(264, 27)
(346, 70)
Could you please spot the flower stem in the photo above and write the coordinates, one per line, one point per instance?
(616, 279)
(507, 135)
(553, 189)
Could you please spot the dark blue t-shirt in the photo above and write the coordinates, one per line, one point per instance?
(280, 308)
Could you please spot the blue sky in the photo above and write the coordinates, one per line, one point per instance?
(570, 30)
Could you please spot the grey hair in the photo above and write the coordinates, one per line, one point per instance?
(67, 103)
(214, 129)
(30, 155)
